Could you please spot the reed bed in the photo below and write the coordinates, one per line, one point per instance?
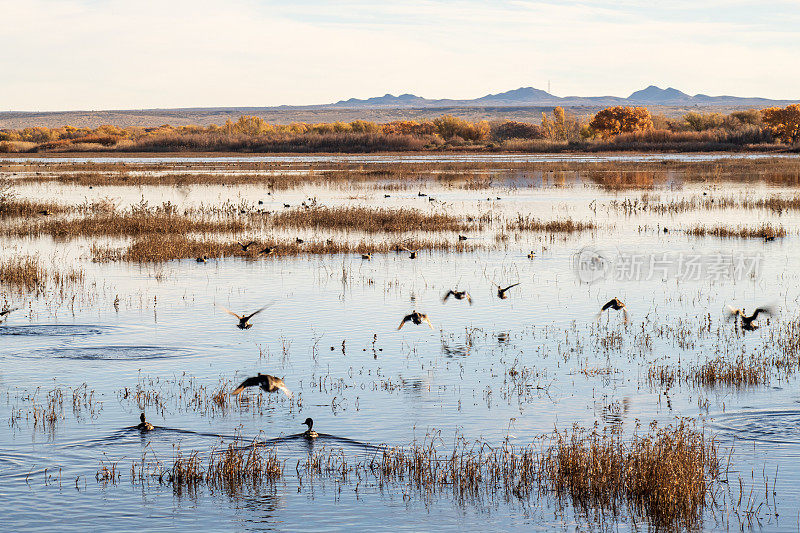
(665, 475)
(369, 220)
(765, 230)
(26, 275)
(161, 248)
(124, 224)
(567, 225)
(741, 372)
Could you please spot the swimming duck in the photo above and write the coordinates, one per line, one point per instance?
(615, 304)
(298, 240)
(244, 320)
(501, 292)
(310, 433)
(367, 257)
(202, 259)
(266, 382)
(748, 322)
(416, 318)
(246, 246)
(458, 295)
(144, 425)
(412, 253)
(532, 255)
(462, 237)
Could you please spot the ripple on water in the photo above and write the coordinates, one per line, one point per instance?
(107, 353)
(53, 330)
(760, 425)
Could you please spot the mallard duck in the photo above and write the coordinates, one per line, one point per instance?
(416, 318)
(615, 304)
(532, 255)
(501, 292)
(412, 254)
(266, 382)
(246, 246)
(298, 240)
(462, 237)
(748, 322)
(202, 259)
(366, 257)
(244, 320)
(458, 295)
(144, 425)
(310, 433)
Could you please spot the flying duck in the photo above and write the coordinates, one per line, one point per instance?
(266, 382)
(615, 304)
(501, 292)
(748, 322)
(416, 318)
(458, 295)
(5, 312)
(246, 246)
(244, 320)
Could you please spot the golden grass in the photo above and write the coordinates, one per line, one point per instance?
(160, 248)
(528, 223)
(754, 232)
(369, 220)
(26, 275)
(124, 224)
(741, 372)
(663, 475)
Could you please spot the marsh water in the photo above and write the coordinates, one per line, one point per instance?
(153, 337)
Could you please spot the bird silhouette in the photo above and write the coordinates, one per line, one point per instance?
(267, 251)
(144, 425)
(246, 246)
(310, 433)
(244, 320)
(615, 304)
(367, 257)
(458, 295)
(416, 318)
(501, 292)
(266, 382)
(748, 322)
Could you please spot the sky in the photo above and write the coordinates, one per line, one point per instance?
(123, 54)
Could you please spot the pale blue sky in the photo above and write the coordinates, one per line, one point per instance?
(102, 54)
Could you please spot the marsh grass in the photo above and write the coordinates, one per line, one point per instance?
(369, 220)
(567, 225)
(664, 475)
(753, 232)
(26, 275)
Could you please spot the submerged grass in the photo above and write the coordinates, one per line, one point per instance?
(26, 274)
(528, 223)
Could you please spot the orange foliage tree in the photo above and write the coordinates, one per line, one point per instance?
(783, 122)
(615, 120)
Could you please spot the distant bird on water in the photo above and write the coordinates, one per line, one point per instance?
(266, 382)
(416, 318)
(144, 425)
(748, 322)
(366, 257)
(244, 320)
(615, 304)
(412, 253)
(458, 295)
(246, 246)
(501, 292)
(310, 433)
(202, 259)
(267, 251)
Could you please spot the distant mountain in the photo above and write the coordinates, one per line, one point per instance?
(532, 97)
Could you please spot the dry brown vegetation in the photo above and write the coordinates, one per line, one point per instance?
(528, 223)
(741, 372)
(369, 220)
(160, 248)
(27, 275)
(765, 230)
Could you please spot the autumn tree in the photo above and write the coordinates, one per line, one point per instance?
(784, 123)
(562, 127)
(615, 120)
